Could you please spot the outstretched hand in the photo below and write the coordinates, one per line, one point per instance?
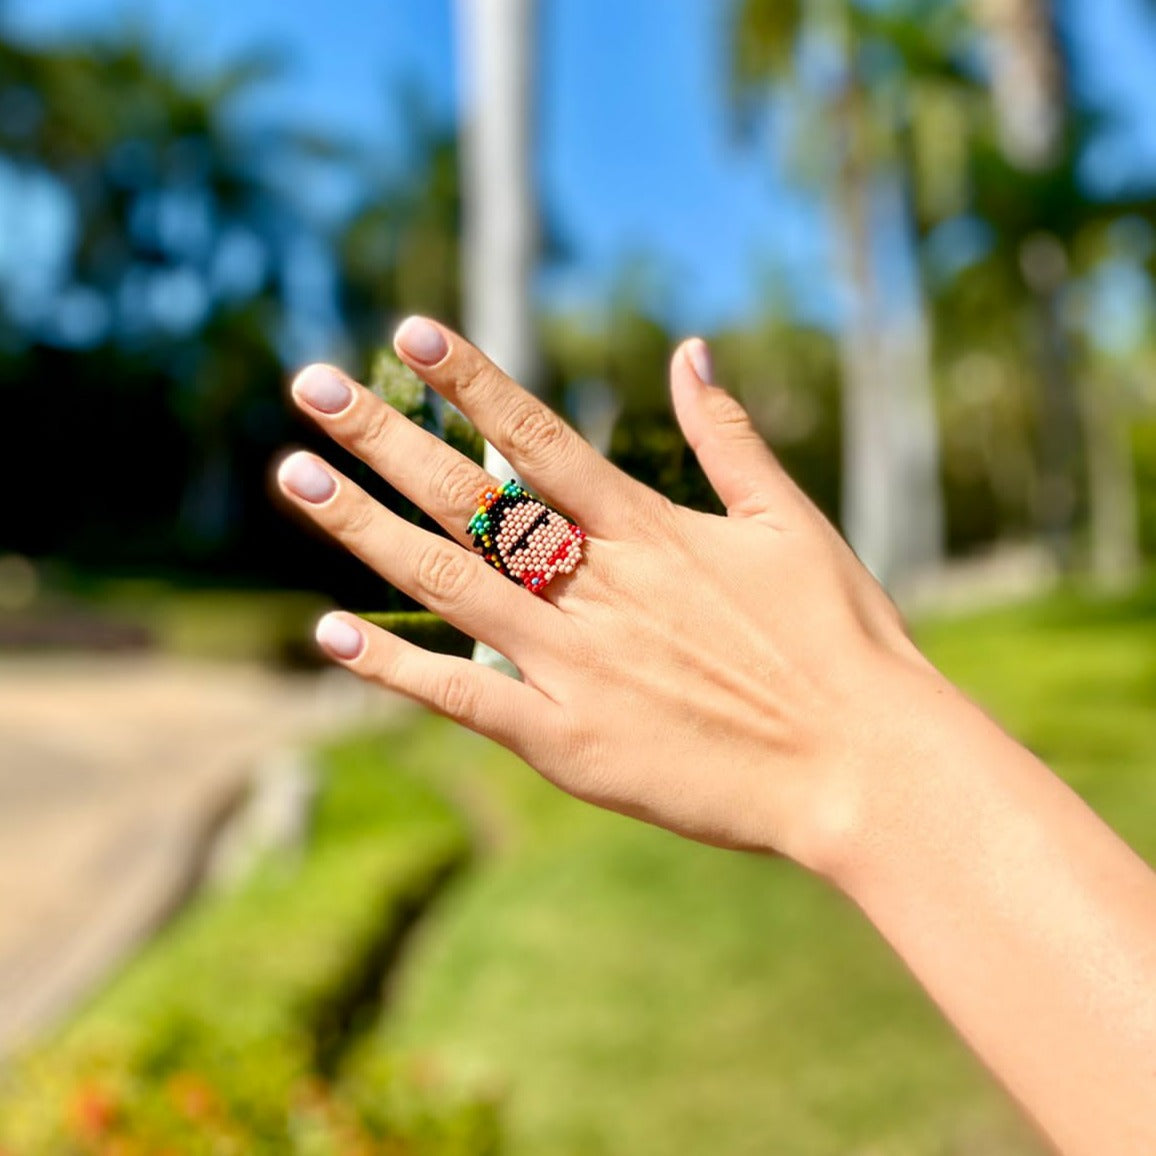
(736, 679)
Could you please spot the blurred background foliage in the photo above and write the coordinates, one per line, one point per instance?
(982, 388)
(990, 370)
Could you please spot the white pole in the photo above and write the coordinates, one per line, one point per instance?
(496, 41)
(500, 241)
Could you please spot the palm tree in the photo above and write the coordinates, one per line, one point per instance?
(1083, 415)
(1048, 243)
(857, 129)
(1028, 78)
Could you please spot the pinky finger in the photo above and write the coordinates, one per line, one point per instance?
(478, 697)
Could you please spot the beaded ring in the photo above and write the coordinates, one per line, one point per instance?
(523, 538)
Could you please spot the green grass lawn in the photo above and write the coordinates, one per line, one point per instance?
(633, 993)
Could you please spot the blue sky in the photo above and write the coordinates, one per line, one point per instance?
(636, 158)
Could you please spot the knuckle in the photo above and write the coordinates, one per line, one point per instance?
(650, 515)
(373, 431)
(751, 504)
(476, 378)
(535, 430)
(385, 664)
(458, 696)
(660, 510)
(442, 572)
(456, 483)
(585, 655)
(728, 413)
(353, 518)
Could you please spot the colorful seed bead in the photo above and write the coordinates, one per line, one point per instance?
(510, 514)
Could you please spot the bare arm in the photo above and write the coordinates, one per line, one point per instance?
(744, 682)
(1028, 921)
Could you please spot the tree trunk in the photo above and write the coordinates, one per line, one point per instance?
(1028, 78)
(496, 41)
(917, 544)
(1029, 83)
(868, 505)
(919, 533)
(1062, 431)
(892, 502)
(1029, 90)
(1114, 522)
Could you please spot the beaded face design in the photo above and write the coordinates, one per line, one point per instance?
(523, 538)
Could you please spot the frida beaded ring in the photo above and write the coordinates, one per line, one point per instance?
(524, 538)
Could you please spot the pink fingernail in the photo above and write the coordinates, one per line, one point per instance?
(421, 340)
(303, 475)
(338, 638)
(699, 353)
(319, 387)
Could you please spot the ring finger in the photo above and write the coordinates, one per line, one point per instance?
(454, 583)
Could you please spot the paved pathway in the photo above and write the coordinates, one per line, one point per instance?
(113, 772)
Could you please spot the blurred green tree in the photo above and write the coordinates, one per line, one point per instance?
(954, 125)
(194, 266)
(878, 95)
(399, 250)
(1049, 239)
(173, 270)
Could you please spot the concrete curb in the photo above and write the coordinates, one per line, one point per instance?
(164, 874)
(116, 778)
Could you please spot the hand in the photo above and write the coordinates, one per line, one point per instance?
(733, 679)
(744, 681)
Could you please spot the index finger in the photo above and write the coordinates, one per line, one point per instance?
(553, 457)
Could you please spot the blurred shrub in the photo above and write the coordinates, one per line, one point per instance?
(271, 626)
(398, 386)
(786, 375)
(227, 1033)
(425, 630)
(1144, 446)
(265, 626)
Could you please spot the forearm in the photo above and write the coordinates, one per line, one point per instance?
(1023, 915)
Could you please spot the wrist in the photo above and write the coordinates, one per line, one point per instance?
(904, 759)
(1023, 915)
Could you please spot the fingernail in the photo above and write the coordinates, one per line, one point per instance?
(336, 636)
(302, 474)
(421, 340)
(319, 387)
(699, 353)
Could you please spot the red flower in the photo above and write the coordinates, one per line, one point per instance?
(94, 1112)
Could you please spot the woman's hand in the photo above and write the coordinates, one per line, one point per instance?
(744, 681)
(732, 679)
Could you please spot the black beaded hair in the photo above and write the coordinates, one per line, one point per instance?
(494, 504)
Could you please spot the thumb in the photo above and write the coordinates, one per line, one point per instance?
(738, 463)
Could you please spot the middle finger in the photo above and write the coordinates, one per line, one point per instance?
(454, 583)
